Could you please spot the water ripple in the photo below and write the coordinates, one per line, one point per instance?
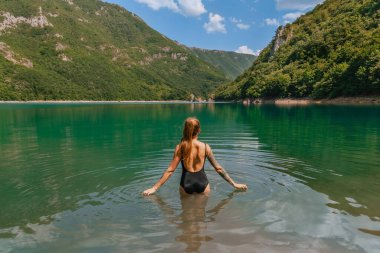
(64, 181)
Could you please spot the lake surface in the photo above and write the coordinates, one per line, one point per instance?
(71, 178)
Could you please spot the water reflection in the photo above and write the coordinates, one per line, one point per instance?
(193, 218)
(314, 173)
(339, 147)
(371, 232)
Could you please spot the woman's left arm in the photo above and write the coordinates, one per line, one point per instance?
(169, 171)
(220, 170)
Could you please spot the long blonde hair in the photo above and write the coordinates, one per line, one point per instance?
(190, 130)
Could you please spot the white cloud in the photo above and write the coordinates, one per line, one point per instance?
(192, 7)
(290, 17)
(296, 4)
(246, 50)
(185, 7)
(239, 23)
(243, 26)
(158, 4)
(215, 24)
(272, 21)
(235, 20)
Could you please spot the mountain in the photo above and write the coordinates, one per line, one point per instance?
(91, 50)
(332, 51)
(230, 63)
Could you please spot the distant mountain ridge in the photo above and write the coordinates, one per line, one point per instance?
(230, 63)
(332, 51)
(91, 50)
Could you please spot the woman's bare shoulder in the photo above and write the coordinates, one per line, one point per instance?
(205, 145)
(202, 144)
(177, 150)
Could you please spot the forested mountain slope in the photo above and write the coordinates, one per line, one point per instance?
(88, 49)
(231, 63)
(332, 51)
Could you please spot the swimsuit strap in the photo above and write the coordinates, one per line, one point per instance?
(205, 156)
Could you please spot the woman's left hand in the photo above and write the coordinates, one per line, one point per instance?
(149, 191)
(242, 187)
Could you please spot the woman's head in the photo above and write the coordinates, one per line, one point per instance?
(191, 129)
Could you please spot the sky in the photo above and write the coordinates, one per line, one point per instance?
(244, 26)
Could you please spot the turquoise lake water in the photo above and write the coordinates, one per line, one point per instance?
(71, 177)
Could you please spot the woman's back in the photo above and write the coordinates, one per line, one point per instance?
(193, 177)
(198, 156)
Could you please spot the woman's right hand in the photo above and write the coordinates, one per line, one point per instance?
(242, 187)
(149, 191)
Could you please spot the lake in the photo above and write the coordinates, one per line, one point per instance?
(71, 177)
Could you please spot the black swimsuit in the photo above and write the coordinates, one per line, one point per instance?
(194, 181)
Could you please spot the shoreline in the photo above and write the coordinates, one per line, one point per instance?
(374, 100)
(110, 102)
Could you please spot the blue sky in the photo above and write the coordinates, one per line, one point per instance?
(245, 26)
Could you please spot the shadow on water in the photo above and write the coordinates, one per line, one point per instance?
(193, 218)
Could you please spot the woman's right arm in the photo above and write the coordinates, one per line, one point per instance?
(166, 175)
(221, 171)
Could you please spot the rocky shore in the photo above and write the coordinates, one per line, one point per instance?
(308, 101)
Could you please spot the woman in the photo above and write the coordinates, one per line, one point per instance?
(192, 154)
